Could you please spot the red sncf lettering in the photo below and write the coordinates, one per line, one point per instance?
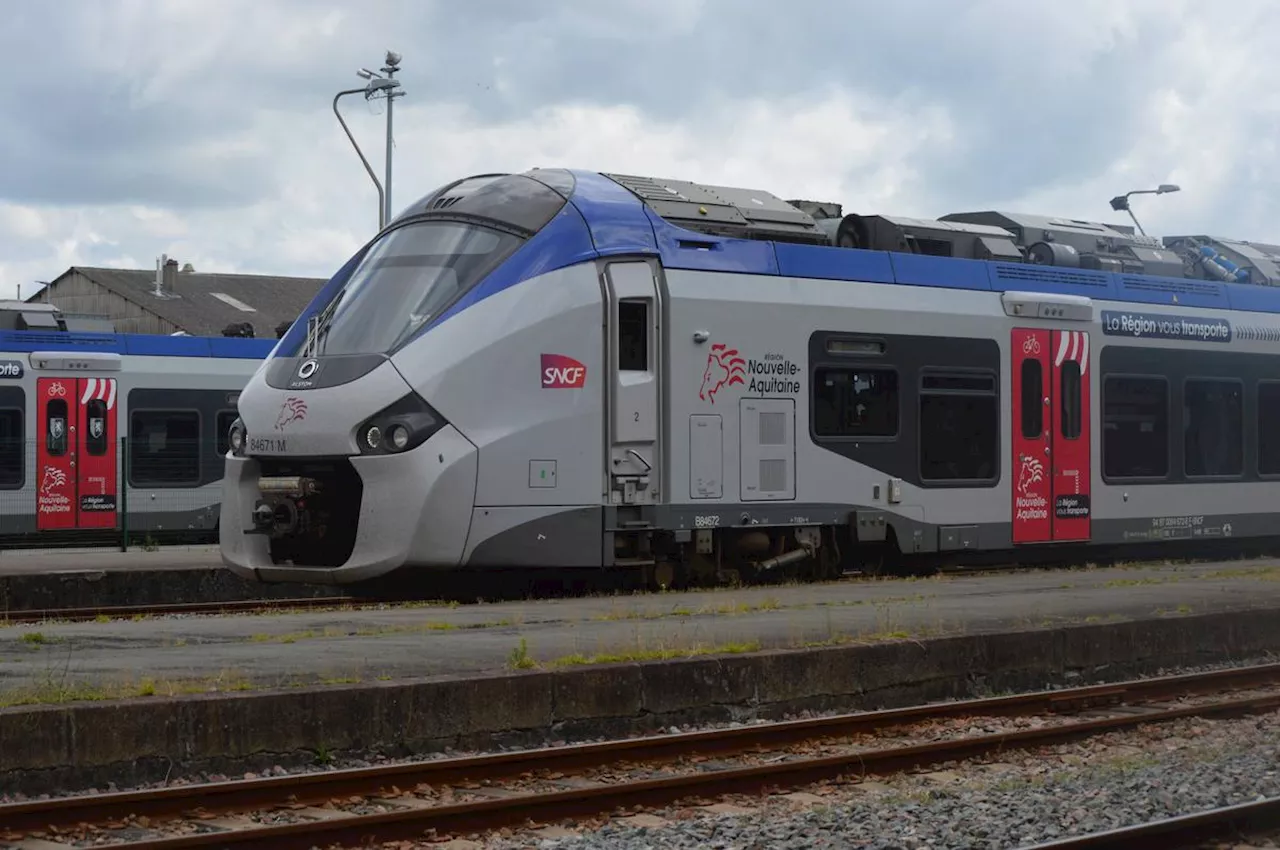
(561, 372)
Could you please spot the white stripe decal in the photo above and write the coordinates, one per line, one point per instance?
(111, 393)
(89, 387)
(1062, 350)
(1084, 354)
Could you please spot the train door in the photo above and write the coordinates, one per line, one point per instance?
(632, 354)
(76, 453)
(1051, 455)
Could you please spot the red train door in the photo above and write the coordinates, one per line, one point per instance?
(1051, 466)
(1072, 469)
(76, 453)
(96, 452)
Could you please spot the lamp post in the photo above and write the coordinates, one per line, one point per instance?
(1121, 202)
(387, 86)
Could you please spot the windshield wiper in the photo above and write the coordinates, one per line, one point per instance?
(318, 326)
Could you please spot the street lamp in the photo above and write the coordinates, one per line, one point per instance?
(1121, 202)
(386, 86)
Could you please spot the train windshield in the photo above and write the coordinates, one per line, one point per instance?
(405, 280)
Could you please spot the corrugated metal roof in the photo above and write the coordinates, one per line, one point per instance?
(204, 304)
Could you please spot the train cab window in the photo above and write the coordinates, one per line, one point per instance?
(226, 418)
(1135, 427)
(1069, 400)
(1213, 427)
(633, 336)
(164, 447)
(854, 402)
(959, 426)
(13, 449)
(1269, 427)
(1032, 401)
(96, 437)
(55, 411)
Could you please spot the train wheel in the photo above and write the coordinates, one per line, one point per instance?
(668, 575)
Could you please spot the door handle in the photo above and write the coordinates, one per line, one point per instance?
(635, 454)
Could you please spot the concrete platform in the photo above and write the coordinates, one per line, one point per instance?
(35, 561)
(291, 649)
(122, 699)
(42, 579)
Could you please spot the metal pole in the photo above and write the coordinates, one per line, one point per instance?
(392, 65)
(391, 102)
(382, 204)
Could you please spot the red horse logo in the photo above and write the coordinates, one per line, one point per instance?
(724, 366)
(292, 410)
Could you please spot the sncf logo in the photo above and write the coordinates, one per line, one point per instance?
(561, 372)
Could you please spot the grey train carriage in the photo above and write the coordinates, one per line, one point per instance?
(581, 370)
(102, 432)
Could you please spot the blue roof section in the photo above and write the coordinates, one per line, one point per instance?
(603, 219)
(225, 348)
(687, 249)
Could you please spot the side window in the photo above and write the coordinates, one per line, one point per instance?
(1032, 399)
(1269, 428)
(1070, 400)
(853, 402)
(56, 427)
(1213, 427)
(223, 428)
(164, 447)
(1135, 427)
(96, 437)
(959, 426)
(633, 336)
(12, 449)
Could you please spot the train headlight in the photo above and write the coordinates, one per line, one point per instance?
(401, 427)
(236, 437)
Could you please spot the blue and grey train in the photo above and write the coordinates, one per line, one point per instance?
(574, 369)
(102, 432)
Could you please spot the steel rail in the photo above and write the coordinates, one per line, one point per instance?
(323, 786)
(1177, 833)
(238, 606)
(416, 819)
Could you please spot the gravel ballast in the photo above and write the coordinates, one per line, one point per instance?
(1113, 781)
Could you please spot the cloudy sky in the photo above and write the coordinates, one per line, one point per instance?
(203, 129)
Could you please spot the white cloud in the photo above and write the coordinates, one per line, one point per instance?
(839, 147)
(921, 109)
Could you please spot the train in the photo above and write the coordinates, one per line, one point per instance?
(102, 432)
(687, 382)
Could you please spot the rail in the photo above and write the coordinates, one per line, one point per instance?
(417, 797)
(237, 606)
(1180, 833)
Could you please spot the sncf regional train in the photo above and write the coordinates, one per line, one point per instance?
(574, 369)
(94, 425)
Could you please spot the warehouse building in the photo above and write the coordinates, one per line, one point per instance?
(170, 300)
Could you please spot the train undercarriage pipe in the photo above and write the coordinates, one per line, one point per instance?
(792, 557)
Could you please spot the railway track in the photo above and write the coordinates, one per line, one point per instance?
(480, 793)
(125, 612)
(1205, 829)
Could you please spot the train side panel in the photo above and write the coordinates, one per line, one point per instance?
(750, 387)
(778, 351)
